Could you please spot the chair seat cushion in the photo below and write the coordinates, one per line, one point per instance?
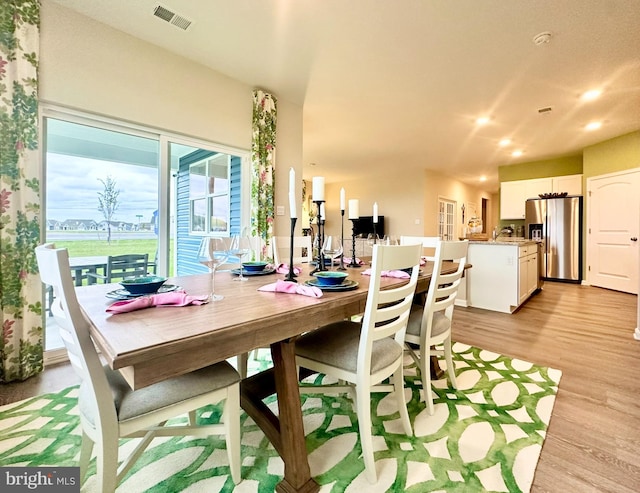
(132, 404)
(337, 344)
(440, 322)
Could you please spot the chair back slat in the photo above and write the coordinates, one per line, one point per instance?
(387, 310)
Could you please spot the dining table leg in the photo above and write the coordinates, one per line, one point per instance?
(285, 431)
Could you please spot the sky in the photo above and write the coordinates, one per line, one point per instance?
(73, 185)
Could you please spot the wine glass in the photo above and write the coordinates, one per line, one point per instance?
(372, 239)
(241, 247)
(390, 240)
(213, 251)
(331, 248)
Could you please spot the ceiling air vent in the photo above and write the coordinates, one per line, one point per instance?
(171, 17)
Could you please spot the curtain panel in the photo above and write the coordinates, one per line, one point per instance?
(263, 150)
(21, 344)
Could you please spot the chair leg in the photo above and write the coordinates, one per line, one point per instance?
(192, 418)
(242, 363)
(363, 403)
(425, 375)
(86, 448)
(451, 369)
(398, 385)
(107, 465)
(231, 419)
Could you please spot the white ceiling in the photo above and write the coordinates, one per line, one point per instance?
(398, 84)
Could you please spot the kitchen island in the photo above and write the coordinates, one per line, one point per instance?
(505, 273)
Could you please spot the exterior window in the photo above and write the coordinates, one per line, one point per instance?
(209, 195)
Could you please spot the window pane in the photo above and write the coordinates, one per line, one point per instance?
(219, 173)
(198, 180)
(101, 199)
(198, 214)
(219, 214)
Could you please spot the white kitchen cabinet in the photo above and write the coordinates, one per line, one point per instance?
(512, 198)
(572, 184)
(527, 272)
(514, 194)
(503, 274)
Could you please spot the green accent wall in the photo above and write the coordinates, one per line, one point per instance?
(561, 166)
(617, 154)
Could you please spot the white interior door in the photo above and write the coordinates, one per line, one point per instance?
(613, 230)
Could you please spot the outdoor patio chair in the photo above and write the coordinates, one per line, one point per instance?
(121, 266)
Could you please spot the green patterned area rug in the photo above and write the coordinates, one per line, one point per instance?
(484, 436)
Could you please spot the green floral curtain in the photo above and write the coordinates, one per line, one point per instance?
(21, 344)
(263, 150)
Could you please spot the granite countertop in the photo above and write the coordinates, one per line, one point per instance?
(504, 241)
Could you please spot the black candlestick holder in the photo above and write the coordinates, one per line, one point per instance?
(291, 275)
(320, 265)
(353, 245)
(342, 267)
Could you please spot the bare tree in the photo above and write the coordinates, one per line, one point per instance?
(108, 202)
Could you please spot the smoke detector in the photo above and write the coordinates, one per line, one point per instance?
(542, 38)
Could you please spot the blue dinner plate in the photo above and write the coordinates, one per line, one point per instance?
(123, 294)
(347, 285)
(245, 272)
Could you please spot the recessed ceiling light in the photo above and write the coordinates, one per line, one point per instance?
(483, 178)
(591, 95)
(483, 120)
(593, 126)
(517, 153)
(504, 142)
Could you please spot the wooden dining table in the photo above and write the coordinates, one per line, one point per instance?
(154, 344)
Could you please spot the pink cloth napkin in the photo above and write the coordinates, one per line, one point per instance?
(347, 260)
(389, 273)
(423, 260)
(176, 298)
(284, 269)
(281, 286)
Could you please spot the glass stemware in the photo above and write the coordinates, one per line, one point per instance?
(241, 247)
(372, 239)
(332, 248)
(213, 251)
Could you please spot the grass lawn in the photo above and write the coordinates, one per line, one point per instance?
(90, 248)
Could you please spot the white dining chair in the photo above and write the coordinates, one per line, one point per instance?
(430, 325)
(110, 410)
(361, 355)
(302, 249)
(428, 242)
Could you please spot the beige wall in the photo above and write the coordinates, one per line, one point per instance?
(89, 66)
(404, 200)
(439, 186)
(399, 198)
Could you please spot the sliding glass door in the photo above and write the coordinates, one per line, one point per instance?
(112, 189)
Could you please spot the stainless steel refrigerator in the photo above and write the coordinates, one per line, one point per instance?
(557, 224)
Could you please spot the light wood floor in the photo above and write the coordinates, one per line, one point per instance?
(593, 441)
